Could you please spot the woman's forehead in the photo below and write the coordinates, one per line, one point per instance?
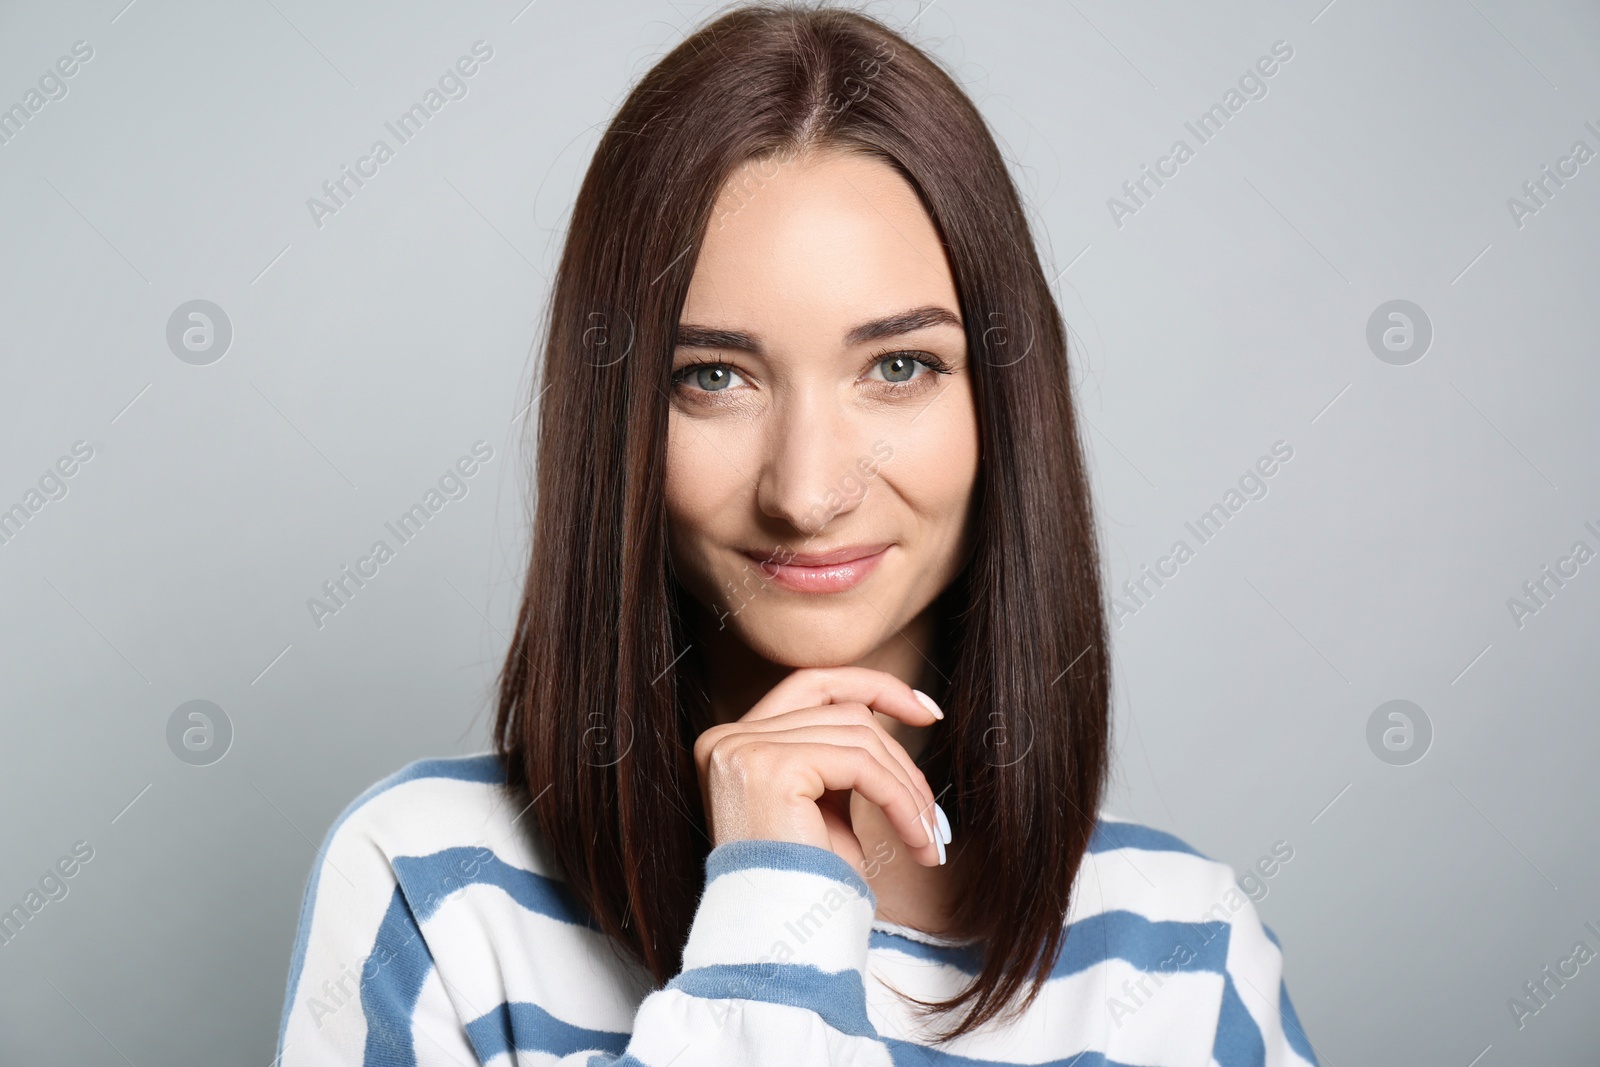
(825, 245)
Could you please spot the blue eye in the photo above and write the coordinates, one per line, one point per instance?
(895, 369)
(898, 367)
(708, 377)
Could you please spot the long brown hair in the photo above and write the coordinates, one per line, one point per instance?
(600, 700)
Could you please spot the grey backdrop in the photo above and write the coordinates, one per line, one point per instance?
(1217, 314)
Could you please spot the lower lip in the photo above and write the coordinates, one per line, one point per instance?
(828, 578)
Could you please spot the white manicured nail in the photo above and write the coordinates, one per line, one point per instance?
(927, 701)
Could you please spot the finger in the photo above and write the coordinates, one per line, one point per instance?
(921, 832)
(856, 768)
(878, 690)
(812, 686)
(852, 713)
(862, 732)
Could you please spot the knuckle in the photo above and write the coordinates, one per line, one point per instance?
(861, 734)
(726, 753)
(752, 755)
(707, 742)
(857, 711)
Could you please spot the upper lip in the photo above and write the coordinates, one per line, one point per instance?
(843, 554)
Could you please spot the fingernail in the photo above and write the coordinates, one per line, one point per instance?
(927, 828)
(941, 850)
(927, 701)
(944, 823)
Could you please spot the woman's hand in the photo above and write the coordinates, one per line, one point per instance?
(785, 770)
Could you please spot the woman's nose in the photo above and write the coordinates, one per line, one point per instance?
(811, 473)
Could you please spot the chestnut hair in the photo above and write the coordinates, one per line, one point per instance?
(599, 701)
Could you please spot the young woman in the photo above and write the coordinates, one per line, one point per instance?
(802, 734)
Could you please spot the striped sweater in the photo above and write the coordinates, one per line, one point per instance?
(435, 931)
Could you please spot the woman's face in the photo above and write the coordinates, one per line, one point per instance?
(821, 410)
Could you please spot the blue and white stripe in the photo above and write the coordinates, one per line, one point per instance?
(434, 931)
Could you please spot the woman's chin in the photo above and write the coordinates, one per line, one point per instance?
(808, 639)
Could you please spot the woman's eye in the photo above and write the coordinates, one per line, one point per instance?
(900, 368)
(709, 377)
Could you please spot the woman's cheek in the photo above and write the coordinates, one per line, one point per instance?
(710, 457)
(699, 502)
(935, 459)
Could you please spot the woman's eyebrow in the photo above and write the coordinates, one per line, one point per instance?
(905, 322)
(690, 335)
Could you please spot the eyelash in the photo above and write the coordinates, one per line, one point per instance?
(932, 362)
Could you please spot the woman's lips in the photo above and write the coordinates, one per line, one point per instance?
(826, 572)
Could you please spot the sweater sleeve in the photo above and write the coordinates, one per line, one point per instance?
(1257, 1025)
(772, 973)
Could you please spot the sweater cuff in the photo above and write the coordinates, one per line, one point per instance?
(773, 903)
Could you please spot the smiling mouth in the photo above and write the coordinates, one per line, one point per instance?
(821, 572)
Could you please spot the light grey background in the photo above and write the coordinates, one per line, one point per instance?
(1229, 312)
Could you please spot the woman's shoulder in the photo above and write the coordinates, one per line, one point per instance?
(1132, 867)
(447, 785)
(438, 837)
(450, 809)
(435, 867)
